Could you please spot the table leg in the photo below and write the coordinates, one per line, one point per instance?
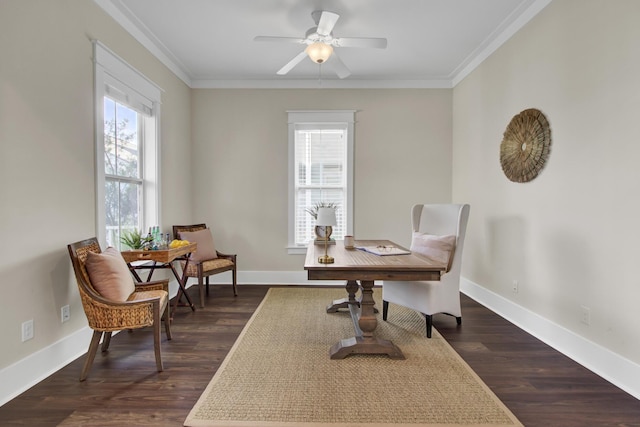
(182, 281)
(135, 274)
(153, 267)
(351, 287)
(365, 342)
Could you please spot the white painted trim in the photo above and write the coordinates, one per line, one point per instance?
(498, 38)
(284, 83)
(614, 368)
(110, 68)
(27, 372)
(123, 16)
(151, 43)
(267, 278)
(318, 117)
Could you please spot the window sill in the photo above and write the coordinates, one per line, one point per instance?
(296, 250)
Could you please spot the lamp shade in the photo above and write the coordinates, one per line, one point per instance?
(319, 52)
(326, 217)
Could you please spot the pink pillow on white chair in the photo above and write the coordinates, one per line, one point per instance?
(438, 248)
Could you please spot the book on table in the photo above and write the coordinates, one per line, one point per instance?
(383, 250)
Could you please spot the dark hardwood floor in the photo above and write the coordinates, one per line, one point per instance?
(539, 385)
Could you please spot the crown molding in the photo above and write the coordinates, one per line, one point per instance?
(145, 38)
(504, 32)
(511, 25)
(321, 84)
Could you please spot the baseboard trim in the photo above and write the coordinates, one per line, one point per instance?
(267, 278)
(614, 368)
(27, 372)
(22, 375)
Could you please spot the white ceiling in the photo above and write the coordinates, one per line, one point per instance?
(431, 43)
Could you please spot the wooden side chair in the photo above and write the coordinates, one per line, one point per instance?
(206, 260)
(112, 301)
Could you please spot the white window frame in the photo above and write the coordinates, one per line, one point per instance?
(117, 79)
(320, 117)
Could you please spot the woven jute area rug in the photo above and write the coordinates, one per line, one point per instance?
(279, 373)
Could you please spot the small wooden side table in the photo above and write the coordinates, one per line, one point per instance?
(163, 258)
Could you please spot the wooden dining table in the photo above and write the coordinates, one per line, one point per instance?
(360, 270)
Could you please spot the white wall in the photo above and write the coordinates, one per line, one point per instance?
(402, 157)
(570, 236)
(47, 161)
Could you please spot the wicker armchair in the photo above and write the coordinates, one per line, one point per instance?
(143, 308)
(202, 270)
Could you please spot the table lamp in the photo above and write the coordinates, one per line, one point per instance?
(326, 218)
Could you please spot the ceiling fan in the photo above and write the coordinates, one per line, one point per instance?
(320, 43)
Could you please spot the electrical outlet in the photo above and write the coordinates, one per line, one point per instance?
(27, 330)
(65, 314)
(585, 315)
(515, 286)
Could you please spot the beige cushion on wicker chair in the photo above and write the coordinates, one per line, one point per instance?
(110, 275)
(214, 264)
(206, 249)
(141, 295)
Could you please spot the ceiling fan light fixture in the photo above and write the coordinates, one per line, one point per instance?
(319, 52)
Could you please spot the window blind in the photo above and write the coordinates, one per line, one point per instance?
(320, 167)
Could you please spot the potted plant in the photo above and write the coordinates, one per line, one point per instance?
(134, 240)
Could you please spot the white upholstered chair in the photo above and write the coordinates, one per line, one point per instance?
(432, 297)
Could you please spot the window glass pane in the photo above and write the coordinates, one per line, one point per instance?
(320, 156)
(305, 223)
(130, 196)
(122, 209)
(109, 136)
(320, 167)
(127, 143)
(112, 206)
(121, 140)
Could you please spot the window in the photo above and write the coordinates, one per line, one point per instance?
(127, 119)
(320, 170)
(123, 187)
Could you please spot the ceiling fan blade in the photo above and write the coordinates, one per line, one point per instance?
(279, 39)
(295, 61)
(341, 70)
(377, 43)
(327, 22)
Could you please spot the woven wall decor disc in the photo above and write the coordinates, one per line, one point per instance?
(526, 146)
